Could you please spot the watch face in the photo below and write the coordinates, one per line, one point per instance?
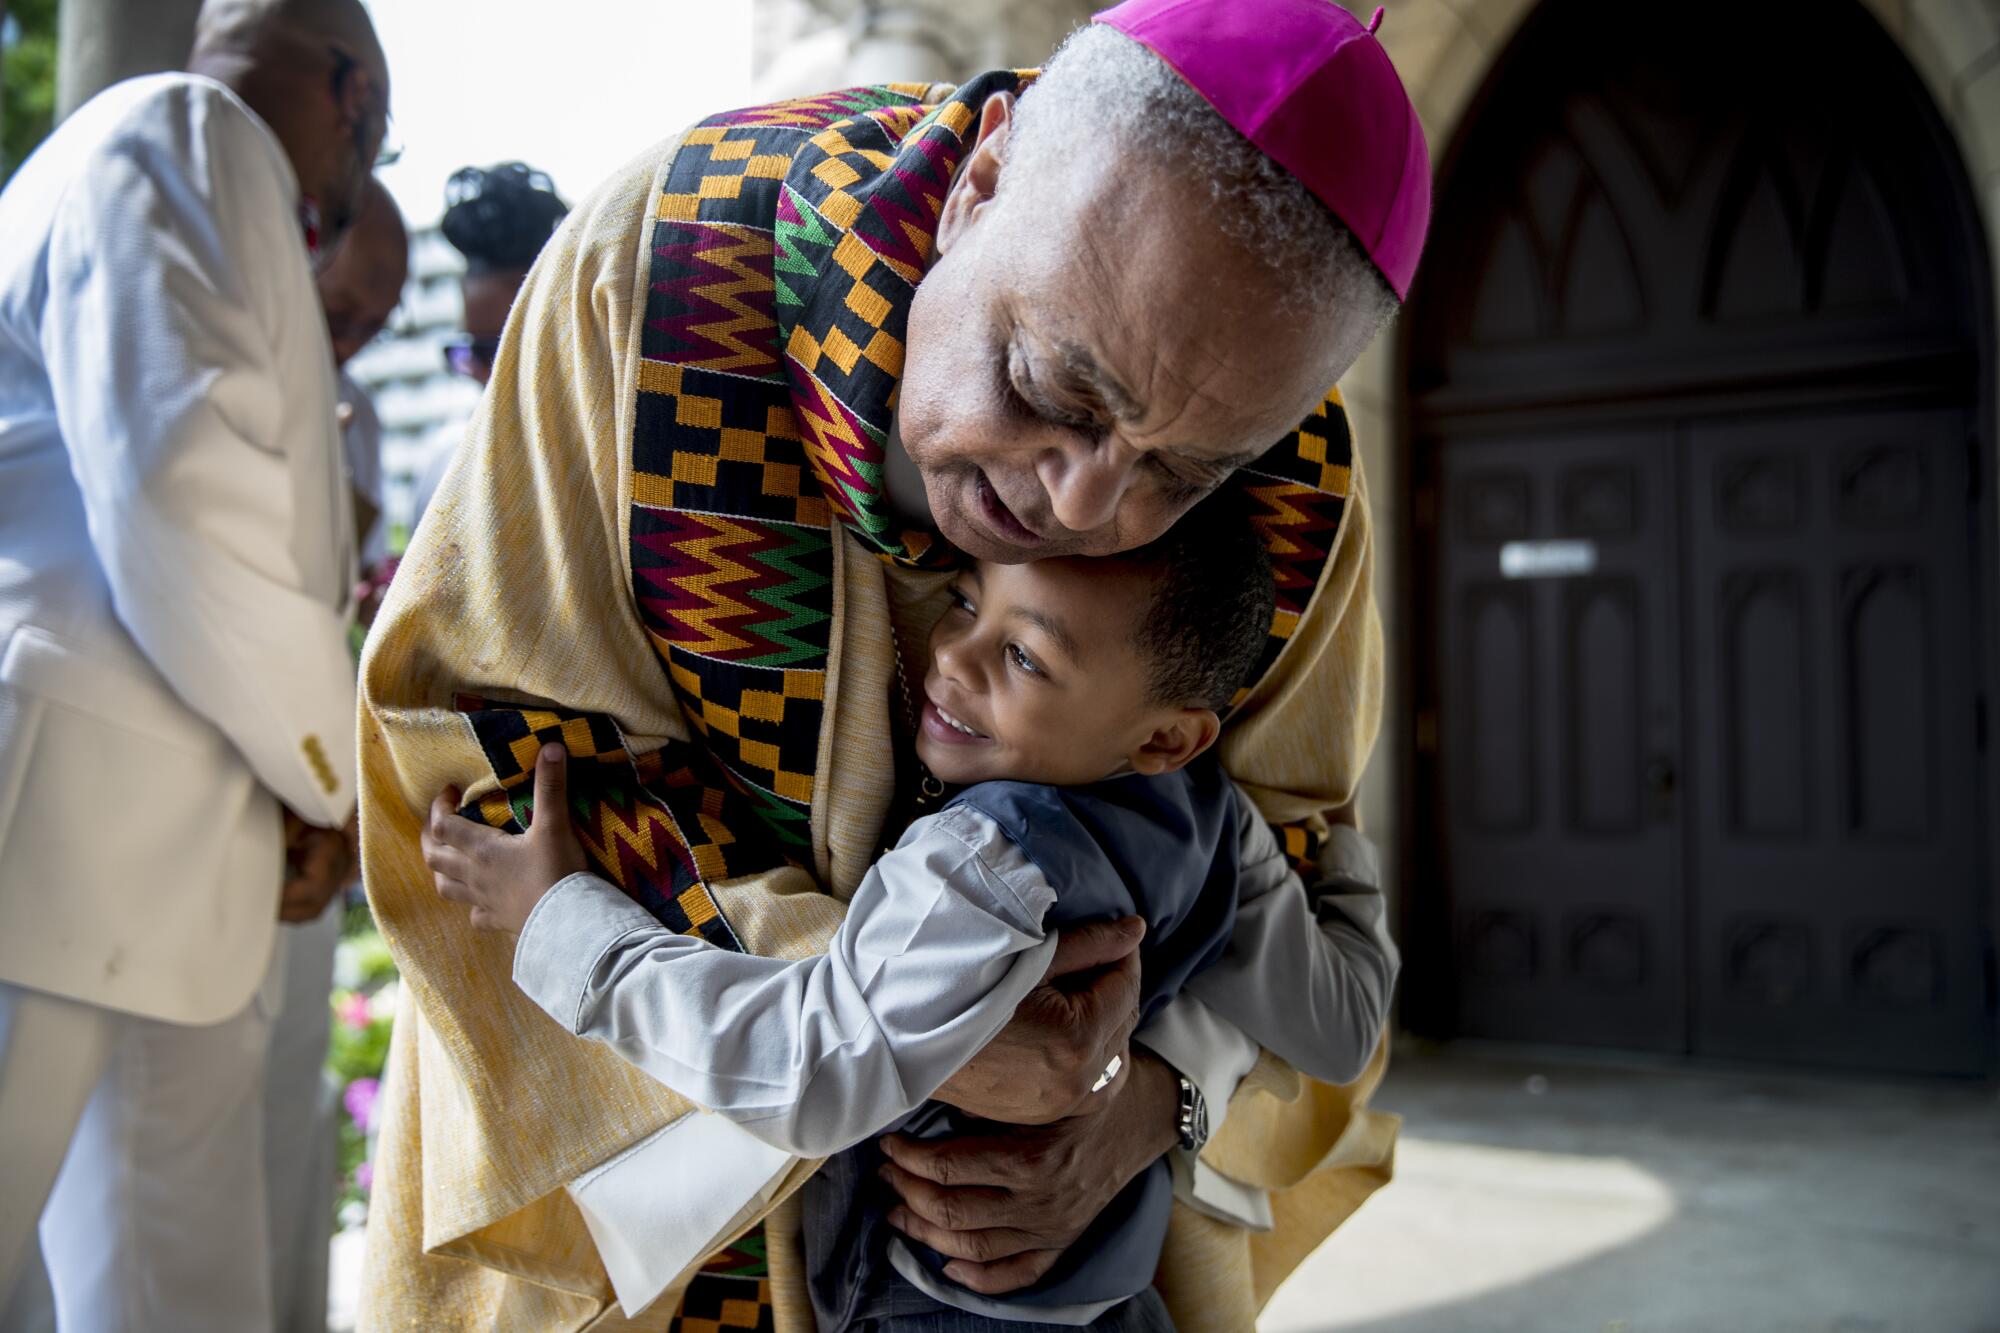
(1194, 1115)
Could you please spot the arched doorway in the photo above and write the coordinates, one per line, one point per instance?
(1696, 403)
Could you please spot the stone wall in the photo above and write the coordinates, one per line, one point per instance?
(802, 46)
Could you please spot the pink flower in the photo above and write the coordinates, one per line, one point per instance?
(364, 1177)
(361, 1098)
(353, 1011)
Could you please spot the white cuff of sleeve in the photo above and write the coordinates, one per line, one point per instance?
(574, 925)
(1207, 1191)
(657, 1209)
(1215, 1056)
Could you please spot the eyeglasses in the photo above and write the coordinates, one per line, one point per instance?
(469, 356)
(387, 148)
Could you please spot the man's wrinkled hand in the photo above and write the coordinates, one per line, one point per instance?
(319, 862)
(1003, 1207)
(1042, 1066)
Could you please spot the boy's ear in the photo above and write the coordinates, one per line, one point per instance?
(1176, 740)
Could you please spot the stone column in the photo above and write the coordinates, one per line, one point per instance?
(100, 42)
(802, 46)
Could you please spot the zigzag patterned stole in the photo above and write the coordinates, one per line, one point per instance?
(654, 824)
(787, 245)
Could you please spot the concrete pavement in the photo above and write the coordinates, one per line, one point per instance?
(1546, 1196)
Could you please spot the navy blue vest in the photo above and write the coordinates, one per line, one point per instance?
(1163, 848)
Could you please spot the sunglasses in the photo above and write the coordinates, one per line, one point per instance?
(469, 356)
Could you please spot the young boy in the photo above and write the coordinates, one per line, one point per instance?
(1073, 702)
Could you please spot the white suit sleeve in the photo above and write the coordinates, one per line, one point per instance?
(158, 332)
(941, 941)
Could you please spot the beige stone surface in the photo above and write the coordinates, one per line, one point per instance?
(1964, 31)
(1417, 36)
(1460, 70)
(1891, 14)
(1976, 118)
(1372, 390)
(1492, 21)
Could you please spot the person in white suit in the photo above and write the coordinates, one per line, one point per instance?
(176, 690)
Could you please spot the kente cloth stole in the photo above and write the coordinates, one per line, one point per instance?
(786, 246)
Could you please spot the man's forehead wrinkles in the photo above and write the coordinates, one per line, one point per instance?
(1078, 358)
(1187, 408)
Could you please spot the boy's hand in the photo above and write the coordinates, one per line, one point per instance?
(501, 876)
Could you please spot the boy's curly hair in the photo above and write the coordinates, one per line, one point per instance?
(1212, 606)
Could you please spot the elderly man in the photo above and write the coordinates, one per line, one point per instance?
(776, 381)
(176, 688)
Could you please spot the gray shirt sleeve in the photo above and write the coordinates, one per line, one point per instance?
(1308, 974)
(1309, 970)
(941, 941)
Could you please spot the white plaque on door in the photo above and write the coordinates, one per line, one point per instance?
(1547, 560)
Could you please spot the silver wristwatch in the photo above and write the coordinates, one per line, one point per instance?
(1193, 1123)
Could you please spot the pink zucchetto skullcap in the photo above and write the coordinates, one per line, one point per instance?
(1308, 84)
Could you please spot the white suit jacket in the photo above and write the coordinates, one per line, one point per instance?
(176, 553)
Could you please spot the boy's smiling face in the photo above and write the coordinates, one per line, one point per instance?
(1036, 676)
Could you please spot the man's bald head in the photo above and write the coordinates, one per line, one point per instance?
(314, 72)
(360, 287)
(244, 25)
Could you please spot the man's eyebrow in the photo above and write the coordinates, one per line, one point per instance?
(1075, 373)
(1055, 629)
(1080, 366)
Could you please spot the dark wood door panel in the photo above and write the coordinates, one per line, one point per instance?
(1835, 861)
(1558, 709)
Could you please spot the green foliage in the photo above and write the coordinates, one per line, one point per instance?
(27, 80)
(363, 1004)
(357, 1051)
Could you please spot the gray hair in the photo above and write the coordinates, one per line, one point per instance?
(1102, 83)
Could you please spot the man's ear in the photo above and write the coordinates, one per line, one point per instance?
(973, 188)
(1176, 740)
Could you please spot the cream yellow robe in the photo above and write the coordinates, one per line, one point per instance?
(518, 587)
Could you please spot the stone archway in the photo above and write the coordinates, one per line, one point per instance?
(1446, 50)
(1712, 323)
